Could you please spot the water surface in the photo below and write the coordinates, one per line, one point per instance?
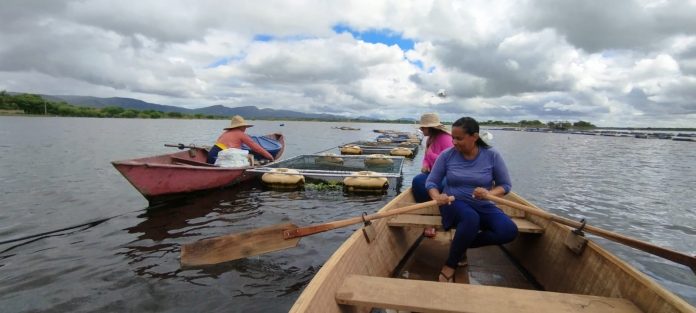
(116, 254)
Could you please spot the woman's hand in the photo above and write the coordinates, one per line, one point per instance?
(442, 199)
(425, 169)
(480, 193)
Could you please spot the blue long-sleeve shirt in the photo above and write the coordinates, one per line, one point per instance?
(463, 176)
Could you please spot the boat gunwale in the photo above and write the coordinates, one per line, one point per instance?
(304, 302)
(668, 297)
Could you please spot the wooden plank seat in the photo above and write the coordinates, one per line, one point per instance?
(429, 296)
(433, 210)
(416, 220)
(178, 160)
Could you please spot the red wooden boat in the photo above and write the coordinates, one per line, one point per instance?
(170, 175)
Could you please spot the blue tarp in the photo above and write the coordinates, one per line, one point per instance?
(271, 145)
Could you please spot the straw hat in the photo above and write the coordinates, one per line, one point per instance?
(432, 120)
(238, 121)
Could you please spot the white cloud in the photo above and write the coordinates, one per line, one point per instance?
(502, 60)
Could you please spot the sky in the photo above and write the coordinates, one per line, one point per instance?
(612, 63)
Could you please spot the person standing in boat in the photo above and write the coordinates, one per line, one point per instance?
(233, 137)
(473, 169)
(439, 139)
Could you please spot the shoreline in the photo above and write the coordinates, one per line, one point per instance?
(500, 126)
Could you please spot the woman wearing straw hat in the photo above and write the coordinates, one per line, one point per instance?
(234, 137)
(439, 139)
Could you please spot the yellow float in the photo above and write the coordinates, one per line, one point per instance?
(378, 160)
(283, 178)
(351, 150)
(365, 181)
(401, 151)
(329, 159)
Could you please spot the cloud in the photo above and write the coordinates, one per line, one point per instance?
(501, 60)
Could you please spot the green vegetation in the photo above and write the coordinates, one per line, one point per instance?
(562, 125)
(323, 186)
(36, 105)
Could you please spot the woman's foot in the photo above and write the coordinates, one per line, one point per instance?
(446, 275)
(430, 232)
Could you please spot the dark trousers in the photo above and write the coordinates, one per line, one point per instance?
(418, 187)
(476, 227)
(212, 154)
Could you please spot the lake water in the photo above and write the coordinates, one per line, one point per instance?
(113, 253)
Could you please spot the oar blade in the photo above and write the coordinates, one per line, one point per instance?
(237, 246)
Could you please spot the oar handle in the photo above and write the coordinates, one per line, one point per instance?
(671, 255)
(181, 146)
(313, 229)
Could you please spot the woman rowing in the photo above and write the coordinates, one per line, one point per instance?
(473, 169)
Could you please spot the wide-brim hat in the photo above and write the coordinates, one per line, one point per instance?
(238, 121)
(432, 120)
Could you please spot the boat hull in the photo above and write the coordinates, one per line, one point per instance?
(544, 257)
(166, 176)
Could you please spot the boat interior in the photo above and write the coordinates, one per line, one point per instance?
(548, 268)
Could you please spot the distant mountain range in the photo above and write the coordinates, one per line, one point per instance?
(249, 112)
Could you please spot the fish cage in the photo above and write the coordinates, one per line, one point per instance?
(373, 147)
(341, 169)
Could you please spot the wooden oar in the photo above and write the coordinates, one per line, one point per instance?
(181, 146)
(671, 255)
(269, 239)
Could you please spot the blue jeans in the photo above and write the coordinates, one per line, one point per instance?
(418, 187)
(476, 227)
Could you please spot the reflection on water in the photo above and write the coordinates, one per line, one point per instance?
(163, 228)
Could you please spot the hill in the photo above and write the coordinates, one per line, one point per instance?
(250, 112)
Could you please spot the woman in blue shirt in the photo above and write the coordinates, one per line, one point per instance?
(473, 169)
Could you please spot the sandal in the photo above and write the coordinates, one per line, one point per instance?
(430, 232)
(448, 279)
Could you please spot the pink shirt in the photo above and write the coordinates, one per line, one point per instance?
(234, 138)
(442, 142)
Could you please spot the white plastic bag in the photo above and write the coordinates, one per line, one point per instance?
(232, 157)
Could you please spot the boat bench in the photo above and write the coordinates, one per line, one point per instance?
(430, 296)
(417, 220)
(178, 160)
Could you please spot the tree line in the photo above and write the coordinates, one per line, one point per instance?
(558, 125)
(36, 105)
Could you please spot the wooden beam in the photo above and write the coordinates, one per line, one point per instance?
(414, 220)
(191, 162)
(428, 296)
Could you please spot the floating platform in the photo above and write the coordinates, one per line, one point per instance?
(335, 169)
(372, 147)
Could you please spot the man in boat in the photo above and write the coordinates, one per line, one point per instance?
(439, 139)
(233, 137)
(473, 169)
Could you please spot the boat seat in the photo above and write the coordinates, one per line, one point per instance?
(433, 210)
(416, 220)
(190, 162)
(430, 296)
